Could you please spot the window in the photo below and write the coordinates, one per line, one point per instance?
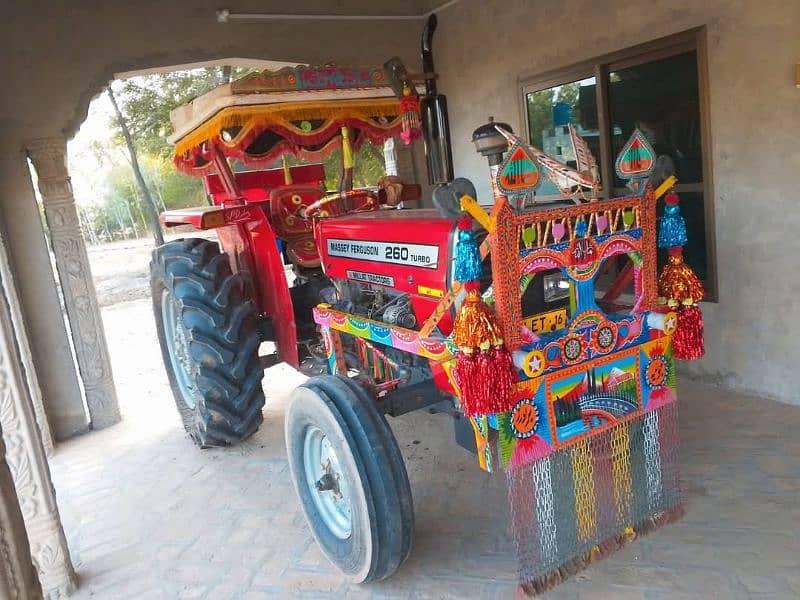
(660, 88)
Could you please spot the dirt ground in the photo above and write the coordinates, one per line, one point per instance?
(121, 269)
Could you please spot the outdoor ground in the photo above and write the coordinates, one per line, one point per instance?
(149, 516)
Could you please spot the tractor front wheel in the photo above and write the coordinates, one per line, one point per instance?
(208, 332)
(349, 475)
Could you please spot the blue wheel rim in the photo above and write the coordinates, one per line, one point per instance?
(177, 348)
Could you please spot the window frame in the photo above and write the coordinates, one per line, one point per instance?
(691, 40)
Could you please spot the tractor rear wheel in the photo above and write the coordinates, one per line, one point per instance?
(350, 477)
(208, 332)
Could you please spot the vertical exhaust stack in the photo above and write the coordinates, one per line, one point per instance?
(435, 124)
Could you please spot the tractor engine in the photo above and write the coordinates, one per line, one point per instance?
(392, 266)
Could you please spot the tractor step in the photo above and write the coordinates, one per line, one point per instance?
(409, 398)
(266, 329)
(269, 360)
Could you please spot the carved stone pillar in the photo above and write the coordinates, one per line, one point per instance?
(28, 465)
(18, 580)
(25, 352)
(49, 158)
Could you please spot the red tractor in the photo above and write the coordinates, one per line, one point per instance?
(393, 310)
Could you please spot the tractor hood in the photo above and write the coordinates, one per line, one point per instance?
(408, 251)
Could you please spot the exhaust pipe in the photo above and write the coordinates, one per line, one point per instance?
(435, 124)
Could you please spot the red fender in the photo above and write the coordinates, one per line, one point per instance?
(252, 246)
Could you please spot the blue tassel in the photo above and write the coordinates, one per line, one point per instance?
(672, 228)
(468, 256)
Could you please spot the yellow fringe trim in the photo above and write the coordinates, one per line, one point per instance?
(583, 480)
(248, 117)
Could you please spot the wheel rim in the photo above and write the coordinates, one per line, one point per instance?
(326, 483)
(177, 348)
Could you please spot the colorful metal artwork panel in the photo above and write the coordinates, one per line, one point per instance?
(637, 158)
(388, 335)
(587, 399)
(576, 402)
(519, 173)
(302, 78)
(576, 239)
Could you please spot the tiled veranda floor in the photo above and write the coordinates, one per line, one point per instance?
(149, 516)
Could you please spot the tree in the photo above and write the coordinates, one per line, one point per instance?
(152, 212)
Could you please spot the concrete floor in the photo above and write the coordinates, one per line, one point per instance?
(149, 516)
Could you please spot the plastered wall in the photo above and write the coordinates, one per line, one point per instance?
(752, 334)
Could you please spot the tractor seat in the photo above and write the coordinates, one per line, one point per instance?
(298, 234)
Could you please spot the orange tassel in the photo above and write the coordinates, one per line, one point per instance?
(678, 282)
(476, 325)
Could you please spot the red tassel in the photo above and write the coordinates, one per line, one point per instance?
(504, 375)
(486, 381)
(687, 341)
(410, 120)
(466, 375)
(484, 371)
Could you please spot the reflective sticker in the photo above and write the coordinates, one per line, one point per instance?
(412, 255)
(426, 291)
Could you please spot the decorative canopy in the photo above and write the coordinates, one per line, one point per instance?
(297, 110)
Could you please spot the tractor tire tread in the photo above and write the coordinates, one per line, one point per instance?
(220, 319)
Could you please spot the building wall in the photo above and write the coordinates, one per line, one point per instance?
(752, 336)
(58, 55)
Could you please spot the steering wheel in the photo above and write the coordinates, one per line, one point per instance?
(341, 203)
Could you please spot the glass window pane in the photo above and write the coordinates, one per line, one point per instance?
(660, 98)
(549, 113)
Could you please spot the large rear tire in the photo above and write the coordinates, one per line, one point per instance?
(350, 477)
(208, 332)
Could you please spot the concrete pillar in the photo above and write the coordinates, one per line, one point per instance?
(41, 312)
(43, 319)
(27, 461)
(18, 580)
(49, 158)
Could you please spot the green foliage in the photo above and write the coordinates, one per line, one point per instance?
(147, 101)
(540, 109)
(368, 166)
(540, 114)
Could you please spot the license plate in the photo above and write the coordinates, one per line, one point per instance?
(546, 322)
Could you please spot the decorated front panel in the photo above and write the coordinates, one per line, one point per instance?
(562, 408)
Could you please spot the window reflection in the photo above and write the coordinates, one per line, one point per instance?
(661, 99)
(549, 113)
